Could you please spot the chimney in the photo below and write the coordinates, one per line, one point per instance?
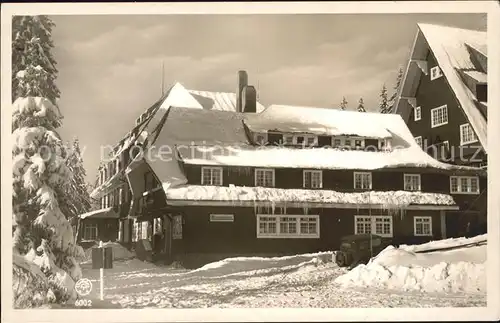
(242, 82)
(249, 99)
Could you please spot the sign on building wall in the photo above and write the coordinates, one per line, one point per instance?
(177, 227)
(221, 217)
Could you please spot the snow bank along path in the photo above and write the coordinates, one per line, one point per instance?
(458, 270)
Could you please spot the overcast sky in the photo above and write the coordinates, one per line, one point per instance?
(110, 66)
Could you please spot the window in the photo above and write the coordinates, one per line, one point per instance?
(177, 227)
(464, 185)
(126, 235)
(260, 139)
(211, 176)
(435, 73)
(146, 228)
(313, 179)
(288, 139)
(287, 226)
(120, 231)
(362, 180)
(136, 231)
(299, 140)
(311, 141)
(467, 135)
(264, 177)
(419, 141)
(363, 224)
(337, 142)
(359, 144)
(380, 225)
(157, 225)
(221, 217)
(417, 113)
(422, 225)
(267, 225)
(439, 116)
(384, 144)
(90, 231)
(412, 182)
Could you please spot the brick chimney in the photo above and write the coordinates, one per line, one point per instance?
(249, 99)
(242, 83)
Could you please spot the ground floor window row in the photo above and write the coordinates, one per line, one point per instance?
(269, 226)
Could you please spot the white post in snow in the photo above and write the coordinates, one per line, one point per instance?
(102, 271)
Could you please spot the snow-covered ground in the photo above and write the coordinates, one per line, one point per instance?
(310, 280)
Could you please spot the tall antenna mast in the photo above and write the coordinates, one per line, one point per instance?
(162, 78)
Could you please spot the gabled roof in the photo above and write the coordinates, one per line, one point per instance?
(221, 101)
(449, 47)
(320, 121)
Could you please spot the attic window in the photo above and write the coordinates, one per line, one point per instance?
(436, 73)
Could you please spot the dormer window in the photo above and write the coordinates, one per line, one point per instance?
(417, 114)
(435, 73)
(299, 140)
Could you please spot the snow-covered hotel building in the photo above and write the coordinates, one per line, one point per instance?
(221, 176)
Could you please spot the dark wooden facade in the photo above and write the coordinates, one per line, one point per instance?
(107, 229)
(431, 94)
(204, 241)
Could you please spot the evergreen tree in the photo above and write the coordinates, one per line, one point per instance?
(79, 200)
(392, 99)
(361, 106)
(384, 104)
(42, 235)
(343, 104)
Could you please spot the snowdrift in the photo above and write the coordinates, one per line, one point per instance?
(240, 265)
(446, 243)
(459, 270)
(119, 251)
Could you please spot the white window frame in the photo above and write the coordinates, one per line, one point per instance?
(93, 227)
(372, 219)
(297, 235)
(436, 111)
(265, 170)
(407, 177)
(419, 141)
(289, 139)
(435, 72)
(312, 172)
(417, 115)
(470, 131)
(459, 189)
(211, 170)
(422, 218)
(363, 174)
(221, 217)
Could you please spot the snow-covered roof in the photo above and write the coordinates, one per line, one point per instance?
(312, 158)
(479, 76)
(387, 199)
(106, 213)
(449, 47)
(221, 101)
(320, 121)
(195, 126)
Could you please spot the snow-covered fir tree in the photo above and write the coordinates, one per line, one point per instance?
(392, 99)
(79, 200)
(343, 104)
(384, 103)
(44, 247)
(361, 105)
